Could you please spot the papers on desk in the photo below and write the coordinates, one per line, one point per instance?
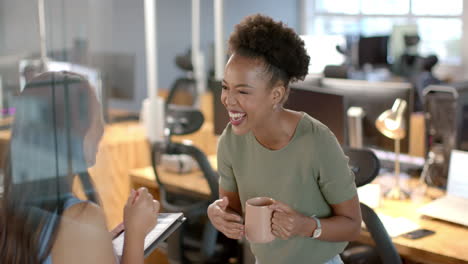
(396, 226)
(167, 223)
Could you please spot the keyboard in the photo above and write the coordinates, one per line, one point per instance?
(407, 162)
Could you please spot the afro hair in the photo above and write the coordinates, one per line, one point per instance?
(259, 36)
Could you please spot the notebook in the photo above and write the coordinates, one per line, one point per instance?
(453, 206)
(167, 224)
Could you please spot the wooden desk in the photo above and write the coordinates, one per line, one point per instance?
(193, 182)
(449, 245)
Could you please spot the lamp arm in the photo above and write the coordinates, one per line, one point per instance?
(397, 163)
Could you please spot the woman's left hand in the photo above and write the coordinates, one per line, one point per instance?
(287, 222)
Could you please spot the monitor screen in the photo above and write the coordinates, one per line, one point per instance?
(328, 108)
(373, 50)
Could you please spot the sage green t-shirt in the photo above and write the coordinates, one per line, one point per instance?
(308, 174)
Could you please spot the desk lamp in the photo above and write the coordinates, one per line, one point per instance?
(391, 124)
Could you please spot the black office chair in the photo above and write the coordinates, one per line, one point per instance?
(440, 107)
(188, 245)
(184, 90)
(365, 166)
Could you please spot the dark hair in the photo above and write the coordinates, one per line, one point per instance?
(34, 193)
(283, 52)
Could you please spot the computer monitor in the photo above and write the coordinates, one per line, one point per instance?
(374, 98)
(373, 50)
(326, 107)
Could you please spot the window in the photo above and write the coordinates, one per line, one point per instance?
(432, 18)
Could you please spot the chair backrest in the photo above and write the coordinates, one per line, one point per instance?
(366, 166)
(383, 243)
(202, 160)
(182, 120)
(183, 92)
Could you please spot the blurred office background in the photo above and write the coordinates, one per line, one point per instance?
(109, 34)
(364, 53)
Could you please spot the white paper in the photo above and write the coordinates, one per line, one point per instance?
(396, 226)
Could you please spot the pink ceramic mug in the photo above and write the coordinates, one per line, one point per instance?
(258, 220)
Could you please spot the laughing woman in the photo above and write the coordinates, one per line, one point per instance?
(268, 150)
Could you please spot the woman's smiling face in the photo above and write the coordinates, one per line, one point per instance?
(246, 93)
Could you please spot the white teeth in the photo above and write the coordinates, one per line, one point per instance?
(236, 116)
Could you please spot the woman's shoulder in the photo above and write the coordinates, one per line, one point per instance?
(229, 138)
(84, 219)
(82, 229)
(314, 127)
(85, 212)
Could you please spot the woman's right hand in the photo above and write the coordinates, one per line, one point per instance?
(225, 220)
(140, 213)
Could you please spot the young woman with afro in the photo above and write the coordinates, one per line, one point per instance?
(268, 150)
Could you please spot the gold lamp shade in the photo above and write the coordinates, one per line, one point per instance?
(391, 123)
